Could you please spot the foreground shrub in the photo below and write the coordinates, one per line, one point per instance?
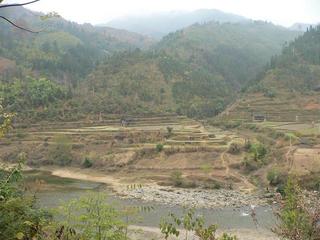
(94, 218)
(171, 226)
(19, 216)
(297, 219)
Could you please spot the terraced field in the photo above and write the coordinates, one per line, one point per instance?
(145, 149)
(286, 108)
(299, 128)
(185, 132)
(294, 117)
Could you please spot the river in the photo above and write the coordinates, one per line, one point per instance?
(58, 191)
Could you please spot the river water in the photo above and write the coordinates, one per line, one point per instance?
(58, 191)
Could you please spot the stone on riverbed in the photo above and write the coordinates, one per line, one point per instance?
(194, 197)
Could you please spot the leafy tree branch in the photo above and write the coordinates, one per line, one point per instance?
(17, 5)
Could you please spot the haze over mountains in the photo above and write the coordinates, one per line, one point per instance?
(302, 26)
(160, 24)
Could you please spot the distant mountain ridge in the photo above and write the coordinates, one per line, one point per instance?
(159, 25)
(301, 26)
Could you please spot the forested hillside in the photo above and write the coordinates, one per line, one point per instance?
(289, 88)
(196, 71)
(63, 50)
(40, 71)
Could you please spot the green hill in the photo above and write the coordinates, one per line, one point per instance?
(288, 90)
(196, 71)
(63, 50)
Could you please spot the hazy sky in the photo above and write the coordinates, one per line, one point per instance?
(284, 12)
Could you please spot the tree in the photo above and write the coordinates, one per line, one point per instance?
(42, 92)
(298, 219)
(16, 5)
(190, 224)
(94, 218)
(49, 15)
(20, 218)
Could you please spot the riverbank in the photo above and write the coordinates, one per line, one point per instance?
(151, 192)
(197, 198)
(137, 233)
(231, 220)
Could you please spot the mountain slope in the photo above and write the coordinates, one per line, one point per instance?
(237, 51)
(63, 50)
(159, 25)
(196, 71)
(288, 90)
(301, 26)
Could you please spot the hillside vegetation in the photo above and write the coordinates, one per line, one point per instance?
(288, 90)
(63, 50)
(196, 72)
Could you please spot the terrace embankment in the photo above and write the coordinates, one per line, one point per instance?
(163, 150)
(170, 151)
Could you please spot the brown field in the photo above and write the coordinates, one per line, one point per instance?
(199, 152)
(306, 161)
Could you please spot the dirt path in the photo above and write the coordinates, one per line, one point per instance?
(224, 164)
(247, 186)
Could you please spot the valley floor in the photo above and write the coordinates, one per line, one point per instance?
(164, 151)
(146, 150)
(149, 157)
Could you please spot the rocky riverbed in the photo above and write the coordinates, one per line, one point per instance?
(199, 198)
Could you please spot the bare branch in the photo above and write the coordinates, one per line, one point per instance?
(17, 26)
(17, 4)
